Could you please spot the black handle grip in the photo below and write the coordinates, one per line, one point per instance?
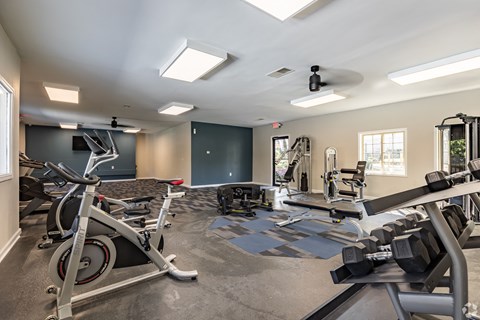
(77, 180)
(70, 171)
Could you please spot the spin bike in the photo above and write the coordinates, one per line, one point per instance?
(101, 243)
(64, 210)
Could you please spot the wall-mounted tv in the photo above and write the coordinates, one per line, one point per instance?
(79, 144)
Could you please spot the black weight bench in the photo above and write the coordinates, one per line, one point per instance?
(334, 213)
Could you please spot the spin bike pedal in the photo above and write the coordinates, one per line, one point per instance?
(146, 240)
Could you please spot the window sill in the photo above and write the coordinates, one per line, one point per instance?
(5, 177)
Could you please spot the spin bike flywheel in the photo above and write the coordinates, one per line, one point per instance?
(98, 257)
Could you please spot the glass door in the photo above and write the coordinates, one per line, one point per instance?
(279, 158)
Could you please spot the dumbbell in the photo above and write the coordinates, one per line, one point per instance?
(427, 224)
(407, 250)
(386, 236)
(391, 229)
(453, 221)
(440, 180)
(459, 216)
(400, 225)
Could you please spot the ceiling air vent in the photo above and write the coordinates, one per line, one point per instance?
(280, 72)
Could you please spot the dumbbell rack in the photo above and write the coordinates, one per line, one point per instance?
(424, 300)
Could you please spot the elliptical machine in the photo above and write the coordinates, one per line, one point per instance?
(101, 243)
(32, 189)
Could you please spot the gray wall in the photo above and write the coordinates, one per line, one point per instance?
(55, 145)
(218, 150)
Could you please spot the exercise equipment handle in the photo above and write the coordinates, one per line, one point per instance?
(114, 144)
(77, 179)
(351, 171)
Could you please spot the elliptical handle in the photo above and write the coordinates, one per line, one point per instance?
(114, 144)
(77, 179)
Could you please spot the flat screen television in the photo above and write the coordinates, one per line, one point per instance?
(79, 144)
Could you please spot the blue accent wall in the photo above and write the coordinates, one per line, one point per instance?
(55, 145)
(218, 150)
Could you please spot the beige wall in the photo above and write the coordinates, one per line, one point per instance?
(341, 130)
(21, 137)
(144, 156)
(166, 154)
(10, 71)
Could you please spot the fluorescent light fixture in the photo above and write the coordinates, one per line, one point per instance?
(192, 61)
(444, 67)
(60, 92)
(281, 9)
(175, 108)
(317, 98)
(68, 125)
(131, 130)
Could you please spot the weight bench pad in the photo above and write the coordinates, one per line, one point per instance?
(334, 211)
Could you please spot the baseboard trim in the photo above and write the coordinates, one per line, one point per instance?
(6, 249)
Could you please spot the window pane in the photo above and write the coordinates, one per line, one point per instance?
(385, 154)
(5, 132)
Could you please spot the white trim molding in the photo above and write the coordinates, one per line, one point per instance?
(6, 249)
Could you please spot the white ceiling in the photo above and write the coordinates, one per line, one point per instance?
(112, 50)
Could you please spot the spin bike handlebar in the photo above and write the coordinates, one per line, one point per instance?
(75, 178)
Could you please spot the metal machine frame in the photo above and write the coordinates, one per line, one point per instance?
(93, 223)
(471, 130)
(300, 155)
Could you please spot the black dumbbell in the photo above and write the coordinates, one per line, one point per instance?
(458, 211)
(454, 220)
(391, 229)
(407, 250)
(427, 224)
(440, 180)
(397, 227)
(408, 222)
(423, 234)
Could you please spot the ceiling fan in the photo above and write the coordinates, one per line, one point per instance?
(114, 124)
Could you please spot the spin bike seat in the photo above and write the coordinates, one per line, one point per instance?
(172, 182)
(142, 199)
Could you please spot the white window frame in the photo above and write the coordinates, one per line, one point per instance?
(6, 132)
(382, 132)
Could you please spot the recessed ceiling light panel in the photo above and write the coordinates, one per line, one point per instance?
(60, 92)
(192, 61)
(64, 125)
(451, 65)
(175, 108)
(317, 99)
(132, 130)
(281, 9)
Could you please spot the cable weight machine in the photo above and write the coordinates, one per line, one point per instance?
(299, 168)
(457, 144)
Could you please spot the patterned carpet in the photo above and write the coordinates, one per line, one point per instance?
(305, 239)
